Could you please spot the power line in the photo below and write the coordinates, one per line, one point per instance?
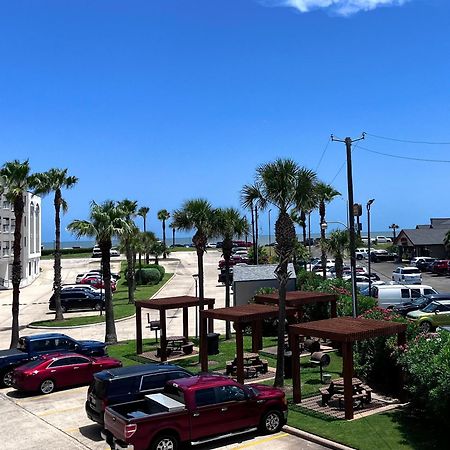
(405, 157)
(323, 153)
(408, 141)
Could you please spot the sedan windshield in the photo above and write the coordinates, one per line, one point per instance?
(432, 307)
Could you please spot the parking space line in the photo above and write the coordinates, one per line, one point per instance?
(56, 411)
(262, 441)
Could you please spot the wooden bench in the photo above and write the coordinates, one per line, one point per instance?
(358, 399)
(326, 395)
(158, 351)
(188, 348)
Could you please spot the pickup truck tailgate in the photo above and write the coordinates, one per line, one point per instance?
(115, 424)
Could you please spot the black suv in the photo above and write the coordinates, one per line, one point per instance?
(419, 303)
(78, 299)
(127, 384)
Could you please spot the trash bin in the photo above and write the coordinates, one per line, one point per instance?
(287, 364)
(212, 340)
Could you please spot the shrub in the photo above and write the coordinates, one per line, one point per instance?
(159, 268)
(149, 276)
(427, 362)
(377, 360)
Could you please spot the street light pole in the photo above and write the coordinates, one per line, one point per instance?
(369, 203)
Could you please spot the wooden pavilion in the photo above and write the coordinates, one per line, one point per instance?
(162, 305)
(345, 330)
(241, 315)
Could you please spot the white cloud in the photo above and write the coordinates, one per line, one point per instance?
(341, 7)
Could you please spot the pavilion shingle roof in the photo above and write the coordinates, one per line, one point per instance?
(172, 302)
(348, 329)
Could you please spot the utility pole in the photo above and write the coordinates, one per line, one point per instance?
(348, 145)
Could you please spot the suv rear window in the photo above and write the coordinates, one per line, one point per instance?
(411, 271)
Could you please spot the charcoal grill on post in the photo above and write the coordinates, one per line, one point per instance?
(154, 325)
(322, 360)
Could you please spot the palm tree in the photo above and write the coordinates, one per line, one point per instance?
(15, 180)
(325, 194)
(251, 199)
(163, 215)
(55, 180)
(337, 243)
(129, 210)
(394, 227)
(305, 198)
(277, 184)
(107, 220)
(229, 223)
(173, 233)
(158, 248)
(143, 211)
(198, 215)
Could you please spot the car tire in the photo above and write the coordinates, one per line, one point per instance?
(359, 257)
(6, 379)
(98, 307)
(165, 442)
(47, 386)
(63, 309)
(272, 422)
(425, 327)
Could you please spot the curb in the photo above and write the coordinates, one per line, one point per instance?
(314, 438)
(36, 327)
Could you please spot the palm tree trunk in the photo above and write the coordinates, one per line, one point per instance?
(173, 237)
(16, 269)
(339, 264)
(140, 268)
(110, 326)
(164, 238)
(57, 260)
(256, 235)
(253, 235)
(303, 222)
(145, 222)
(226, 249)
(130, 271)
(322, 240)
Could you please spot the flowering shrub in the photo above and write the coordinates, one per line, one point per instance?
(377, 360)
(427, 363)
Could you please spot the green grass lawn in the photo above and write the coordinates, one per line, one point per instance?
(121, 306)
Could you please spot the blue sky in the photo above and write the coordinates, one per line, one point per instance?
(165, 100)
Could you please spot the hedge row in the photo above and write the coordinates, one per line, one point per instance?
(67, 251)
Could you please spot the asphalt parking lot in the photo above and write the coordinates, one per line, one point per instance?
(58, 421)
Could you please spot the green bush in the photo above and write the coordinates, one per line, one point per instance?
(427, 363)
(159, 268)
(377, 360)
(148, 276)
(67, 251)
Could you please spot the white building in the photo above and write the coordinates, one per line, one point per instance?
(31, 240)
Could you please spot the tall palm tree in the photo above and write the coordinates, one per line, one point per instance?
(337, 243)
(229, 223)
(198, 215)
(15, 181)
(394, 227)
(129, 208)
(143, 211)
(305, 196)
(157, 248)
(55, 180)
(107, 220)
(251, 199)
(172, 226)
(278, 184)
(325, 194)
(164, 215)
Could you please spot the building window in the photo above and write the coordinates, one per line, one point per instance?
(29, 269)
(5, 251)
(25, 241)
(13, 225)
(38, 229)
(5, 204)
(32, 225)
(6, 225)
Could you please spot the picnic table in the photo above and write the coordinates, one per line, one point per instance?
(253, 365)
(361, 393)
(177, 344)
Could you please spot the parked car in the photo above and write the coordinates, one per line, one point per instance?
(362, 281)
(440, 267)
(382, 240)
(422, 262)
(97, 253)
(40, 344)
(114, 252)
(199, 408)
(377, 255)
(419, 303)
(84, 287)
(242, 244)
(78, 299)
(97, 282)
(127, 384)
(407, 275)
(221, 278)
(99, 273)
(237, 259)
(50, 372)
(362, 253)
(432, 316)
(391, 295)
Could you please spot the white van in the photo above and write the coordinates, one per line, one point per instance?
(394, 294)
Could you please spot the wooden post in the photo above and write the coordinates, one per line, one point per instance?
(333, 308)
(239, 353)
(210, 321)
(138, 330)
(185, 324)
(296, 375)
(203, 343)
(256, 336)
(163, 340)
(347, 353)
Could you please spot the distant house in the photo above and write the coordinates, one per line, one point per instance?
(248, 279)
(424, 240)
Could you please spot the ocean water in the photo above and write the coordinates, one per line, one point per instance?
(185, 240)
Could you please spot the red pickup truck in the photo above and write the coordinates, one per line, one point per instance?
(195, 410)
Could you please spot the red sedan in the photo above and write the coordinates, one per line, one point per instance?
(97, 283)
(52, 371)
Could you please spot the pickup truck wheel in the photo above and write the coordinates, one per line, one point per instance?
(165, 442)
(7, 378)
(271, 422)
(425, 327)
(98, 307)
(47, 386)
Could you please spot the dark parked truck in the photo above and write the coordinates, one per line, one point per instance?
(195, 410)
(40, 344)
